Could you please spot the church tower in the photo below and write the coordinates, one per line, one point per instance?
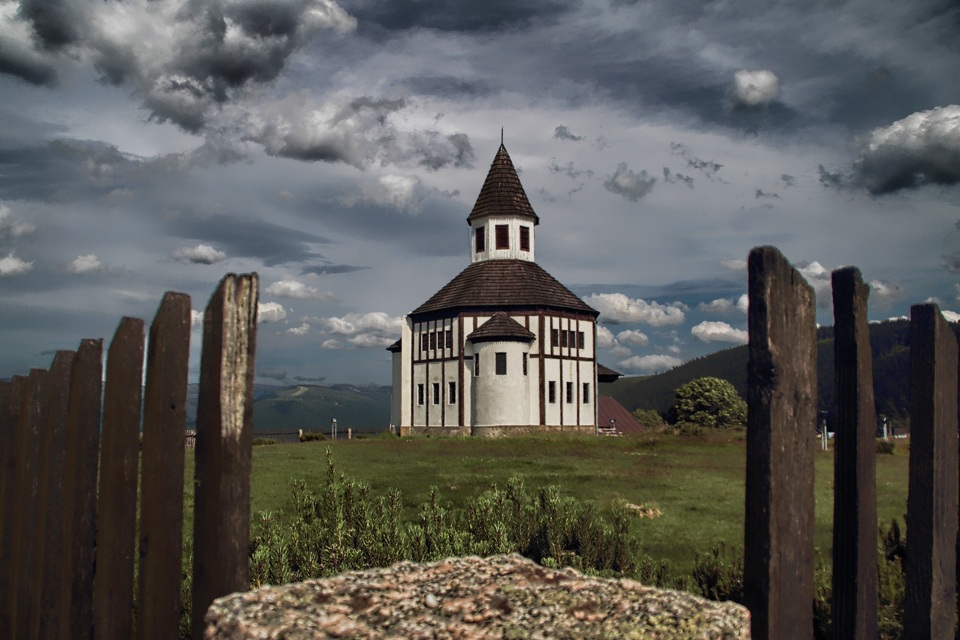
(503, 348)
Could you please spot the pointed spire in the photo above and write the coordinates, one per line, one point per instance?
(502, 194)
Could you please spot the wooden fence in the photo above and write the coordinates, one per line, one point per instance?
(778, 528)
(67, 551)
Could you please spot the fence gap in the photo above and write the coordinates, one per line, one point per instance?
(117, 503)
(224, 442)
(80, 525)
(854, 605)
(10, 430)
(781, 421)
(161, 474)
(932, 493)
(53, 447)
(26, 515)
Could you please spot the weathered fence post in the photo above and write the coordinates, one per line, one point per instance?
(221, 524)
(117, 503)
(80, 492)
(8, 454)
(161, 493)
(781, 422)
(53, 446)
(26, 515)
(855, 485)
(932, 499)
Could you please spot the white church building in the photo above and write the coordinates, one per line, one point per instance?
(503, 348)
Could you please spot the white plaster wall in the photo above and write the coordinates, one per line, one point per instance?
(501, 399)
(514, 252)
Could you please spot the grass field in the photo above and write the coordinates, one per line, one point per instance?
(696, 483)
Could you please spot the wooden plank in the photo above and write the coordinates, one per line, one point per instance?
(781, 421)
(27, 489)
(53, 445)
(221, 523)
(79, 530)
(117, 503)
(854, 605)
(8, 469)
(932, 493)
(161, 473)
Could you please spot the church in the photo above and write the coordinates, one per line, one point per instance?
(503, 348)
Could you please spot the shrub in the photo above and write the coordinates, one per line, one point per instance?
(886, 446)
(312, 436)
(649, 418)
(259, 442)
(708, 402)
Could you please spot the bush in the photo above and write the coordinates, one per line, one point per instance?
(259, 442)
(311, 436)
(649, 418)
(886, 446)
(709, 402)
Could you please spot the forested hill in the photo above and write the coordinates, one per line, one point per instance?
(889, 342)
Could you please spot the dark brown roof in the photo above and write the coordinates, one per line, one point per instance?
(606, 374)
(609, 409)
(501, 327)
(395, 347)
(502, 194)
(504, 284)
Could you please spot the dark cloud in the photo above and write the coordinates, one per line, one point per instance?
(923, 148)
(273, 375)
(563, 133)
(455, 15)
(27, 66)
(569, 170)
(761, 194)
(952, 262)
(675, 178)
(331, 269)
(56, 23)
(314, 379)
(708, 168)
(828, 178)
(448, 87)
(629, 184)
(788, 180)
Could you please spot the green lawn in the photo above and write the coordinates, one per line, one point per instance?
(697, 483)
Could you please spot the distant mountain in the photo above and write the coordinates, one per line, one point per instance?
(312, 407)
(889, 344)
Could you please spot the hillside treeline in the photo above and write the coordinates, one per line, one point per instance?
(889, 344)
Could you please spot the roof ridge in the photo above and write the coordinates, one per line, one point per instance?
(502, 193)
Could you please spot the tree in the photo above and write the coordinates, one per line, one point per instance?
(709, 402)
(649, 418)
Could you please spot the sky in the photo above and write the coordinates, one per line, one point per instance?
(336, 148)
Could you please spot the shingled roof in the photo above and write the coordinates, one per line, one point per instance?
(502, 194)
(501, 327)
(502, 285)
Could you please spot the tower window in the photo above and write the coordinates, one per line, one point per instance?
(501, 363)
(563, 338)
(423, 341)
(581, 343)
(524, 238)
(552, 391)
(448, 338)
(525, 358)
(479, 239)
(433, 340)
(436, 393)
(451, 393)
(503, 236)
(554, 338)
(569, 392)
(586, 393)
(476, 365)
(420, 394)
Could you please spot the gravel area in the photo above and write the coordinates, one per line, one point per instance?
(470, 598)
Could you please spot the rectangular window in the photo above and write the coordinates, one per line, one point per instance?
(448, 338)
(476, 365)
(420, 394)
(451, 393)
(569, 392)
(479, 240)
(503, 236)
(423, 342)
(525, 358)
(436, 393)
(524, 238)
(581, 342)
(433, 340)
(501, 363)
(554, 338)
(552, 392)
(586, 393)
(563, 338)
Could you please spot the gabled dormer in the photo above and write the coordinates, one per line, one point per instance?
(502, 221)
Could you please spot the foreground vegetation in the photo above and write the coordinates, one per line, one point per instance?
(666, 509)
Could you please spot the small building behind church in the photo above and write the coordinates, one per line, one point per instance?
(503, 348)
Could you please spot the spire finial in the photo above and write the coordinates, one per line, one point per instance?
(501, 136)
